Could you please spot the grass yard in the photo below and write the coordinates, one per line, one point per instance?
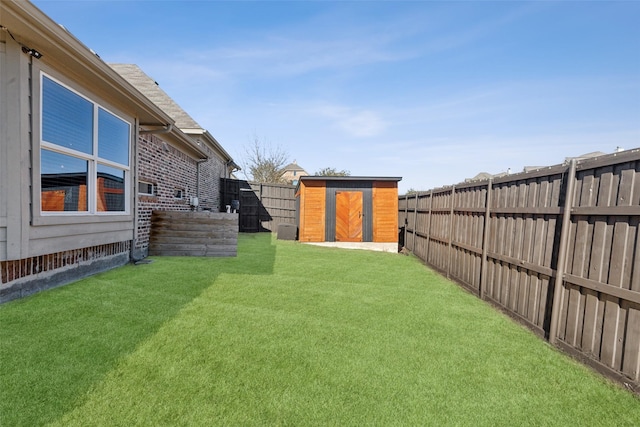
(285, 334)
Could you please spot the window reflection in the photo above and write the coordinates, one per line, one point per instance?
(67, 118)
(79, 138)
(63, 180)
(111, 194)
(113, 138)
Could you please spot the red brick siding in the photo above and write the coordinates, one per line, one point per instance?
(169, 168)
(13, 270)
(210, 173)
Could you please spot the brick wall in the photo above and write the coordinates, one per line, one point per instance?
(23, 277)
(17, 269)
(169, 170)
(210, 173)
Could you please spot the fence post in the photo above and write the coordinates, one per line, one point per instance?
(556, 303)
(406, 218)
(453, 196)
(428, 233)
(415, 224)
(485, 241)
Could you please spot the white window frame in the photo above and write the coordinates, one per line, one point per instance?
(150, 184)
(92, 159)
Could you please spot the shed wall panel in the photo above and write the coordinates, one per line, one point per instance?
(312, 211)
(385, 212)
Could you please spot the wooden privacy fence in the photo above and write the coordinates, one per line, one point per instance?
(262, 206)
(556, 248)
(279, 202)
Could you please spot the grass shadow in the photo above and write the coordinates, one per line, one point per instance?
(48, 340)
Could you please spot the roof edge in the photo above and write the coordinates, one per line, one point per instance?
(350, 178)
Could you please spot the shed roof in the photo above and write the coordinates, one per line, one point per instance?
(347, 179)
(350, 178)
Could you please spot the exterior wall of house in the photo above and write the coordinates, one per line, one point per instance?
(44, 249)
(292, 176)
(4, 177)
(209, 181)
(70, 203)
(171, 170)
(26, 276)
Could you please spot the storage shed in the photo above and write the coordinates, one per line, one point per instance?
(349, 211)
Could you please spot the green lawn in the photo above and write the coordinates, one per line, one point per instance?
(285, 334)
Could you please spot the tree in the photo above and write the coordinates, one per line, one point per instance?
(332, 172)
(264, 162)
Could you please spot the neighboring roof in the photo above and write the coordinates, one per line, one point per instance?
(480, 177)
(585, 156)
(292, 167)
(148, 86)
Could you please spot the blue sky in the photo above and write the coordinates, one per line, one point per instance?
(432, 91)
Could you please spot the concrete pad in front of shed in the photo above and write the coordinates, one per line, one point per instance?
(371, 246)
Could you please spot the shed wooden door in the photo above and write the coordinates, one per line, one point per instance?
(349, 216)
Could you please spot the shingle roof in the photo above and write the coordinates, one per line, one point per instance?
(149, 87)
(293, 167)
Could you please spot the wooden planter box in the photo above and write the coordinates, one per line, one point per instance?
(182, 233)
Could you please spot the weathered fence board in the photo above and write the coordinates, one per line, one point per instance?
(279, 203)
(262, 206)
(502, 239)
(193, 234)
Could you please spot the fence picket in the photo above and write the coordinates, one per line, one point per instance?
(551, 248)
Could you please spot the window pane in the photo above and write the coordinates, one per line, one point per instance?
(63, 182)
(111, 194)
(67, 118)
(146, 188)
(113, 138)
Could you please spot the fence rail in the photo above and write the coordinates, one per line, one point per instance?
(556, 248)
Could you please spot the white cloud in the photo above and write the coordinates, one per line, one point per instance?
(354, 122)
